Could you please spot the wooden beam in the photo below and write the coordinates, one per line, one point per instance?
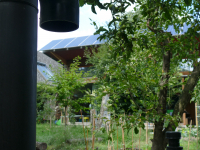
(183, 79)
(196, 114)
(59, 58)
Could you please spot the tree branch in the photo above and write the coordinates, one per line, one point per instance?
(187, 91)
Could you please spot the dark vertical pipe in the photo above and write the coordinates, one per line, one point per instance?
(18, 57)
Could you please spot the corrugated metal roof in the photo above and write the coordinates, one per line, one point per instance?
(92, 40)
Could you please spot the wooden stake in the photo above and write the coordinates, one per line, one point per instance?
(132, 137)
(107, 133)
(153, 128)
(139, 137)
(153, 125)
(50, 115)
(65, 116)
(117, 137)
(197, 135)
(122, 138)
(139, 134)
(111, 138)
(124, 148)
(196, 121)
(112, 129)
(147, 133)
(93, 136)
(196, 113)
(84, 131)
(61, 116)
(123, 133)
(87, 136)
(112, 147)
(189, 134)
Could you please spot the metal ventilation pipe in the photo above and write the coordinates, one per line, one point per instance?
(18, 57)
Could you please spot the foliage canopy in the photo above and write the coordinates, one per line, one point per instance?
(142, 59)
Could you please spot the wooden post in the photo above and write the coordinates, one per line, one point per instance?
(184, 119)
(117, 137)
(196, 114)
(123, 134)
(50, 115)
(132, 137)
(87, 136)
(112, 136)
(107, 133)
(196, 121)
(189, 134)
(112, 139)
(139, 134)
(123, 142)
(65, 116)
(183, 79)
(84, 131)
(50, 121)
(93, 136)
(147, 133)
(139, 137)
(122, 137)
(197, 135)
(153, 127)
(61, 116)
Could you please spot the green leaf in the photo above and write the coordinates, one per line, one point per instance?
(112, 21)
(136, 130)
(93, 9)
(81, 3)
(167, 15)
(188, 2)
(100, 5)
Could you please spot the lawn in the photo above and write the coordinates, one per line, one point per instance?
(57, 136)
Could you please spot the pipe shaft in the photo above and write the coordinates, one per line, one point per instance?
(18, 60)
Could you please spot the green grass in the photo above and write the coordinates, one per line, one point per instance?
(57, 135)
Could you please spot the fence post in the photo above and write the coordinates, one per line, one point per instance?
(174, 138)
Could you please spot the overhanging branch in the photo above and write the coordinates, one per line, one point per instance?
(187, 91)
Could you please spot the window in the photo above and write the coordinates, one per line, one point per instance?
(44, 70)
(88, 70)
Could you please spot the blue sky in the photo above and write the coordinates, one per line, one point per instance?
(44, 37)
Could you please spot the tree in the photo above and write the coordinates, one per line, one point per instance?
(46, 103)
(145, 57)
(67, 82)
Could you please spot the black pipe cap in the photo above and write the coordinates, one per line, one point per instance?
(173, 135)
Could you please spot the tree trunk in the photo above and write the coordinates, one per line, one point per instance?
(185, 97)
(159, 141)
(186, 94)
(159, 135)
(103, 110)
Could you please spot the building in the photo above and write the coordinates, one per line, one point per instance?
(44, 66)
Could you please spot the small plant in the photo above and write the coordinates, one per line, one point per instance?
(186, 131)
